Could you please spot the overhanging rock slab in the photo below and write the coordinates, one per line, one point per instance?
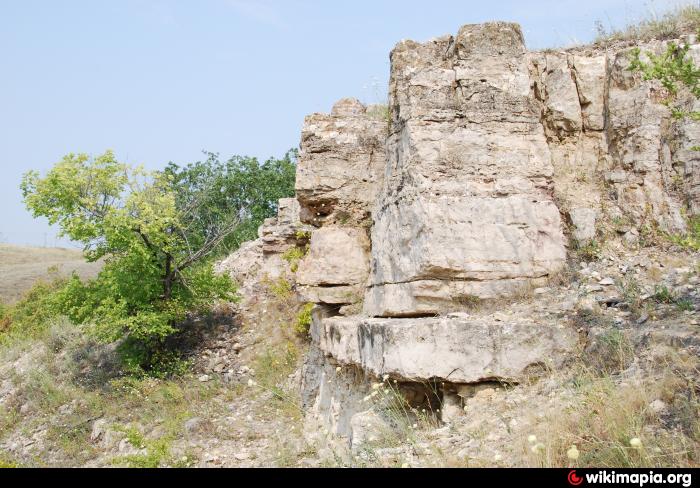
(457, 348)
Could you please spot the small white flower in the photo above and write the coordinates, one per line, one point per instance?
(537, 448)
(251, 382)
(636, 443)
(498, 458)
(415, 426)
(572, 453)
(338, 369)
(385, 377)
(376, 386)
(466, 408)
(532, 439)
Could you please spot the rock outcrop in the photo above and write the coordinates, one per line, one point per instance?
(262, 260)
(488, 166)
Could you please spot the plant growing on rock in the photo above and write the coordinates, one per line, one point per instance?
(154, 232)
(673, 68)
(303, 321)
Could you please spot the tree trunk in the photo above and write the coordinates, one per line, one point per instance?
(168, 278)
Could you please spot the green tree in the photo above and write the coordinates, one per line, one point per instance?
(155, 245)
(246, 188)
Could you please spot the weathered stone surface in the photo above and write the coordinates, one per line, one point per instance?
(583, 219)
(341, 164)
(557, 88)
(261, 260)
(335, 269)
(244, 264)
(331, 395)
(431, 297)
(331, 295)
(457, 348)
(281, 232)
(639, 133)
(337, 256)
(590, 75)
(467, 190)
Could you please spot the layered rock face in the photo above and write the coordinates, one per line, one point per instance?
(341, 167)
(458, 348)
(611, 136)
(466, 208)
(341, 164)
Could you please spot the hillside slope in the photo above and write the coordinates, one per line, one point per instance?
(22, 266)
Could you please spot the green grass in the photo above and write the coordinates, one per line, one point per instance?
(691, 239)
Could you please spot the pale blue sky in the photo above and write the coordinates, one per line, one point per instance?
(159, 80)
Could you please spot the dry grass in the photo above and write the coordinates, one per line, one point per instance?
(21, 267)
(607, 412)
(671, 25)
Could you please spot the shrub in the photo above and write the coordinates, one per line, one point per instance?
(293, 255)
(281, 288)
(34, 313)
(691, 239)
(303, 322)
(588, 251)
(155, 231)
(663, 295)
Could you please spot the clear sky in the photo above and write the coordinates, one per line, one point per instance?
(159, 80)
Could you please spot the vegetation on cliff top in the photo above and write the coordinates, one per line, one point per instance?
(671, 25)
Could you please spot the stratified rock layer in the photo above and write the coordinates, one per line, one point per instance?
(341, 164)
(458, 348)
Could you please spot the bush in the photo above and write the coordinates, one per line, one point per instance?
(303, 322)
(34, 313)
(293, 256)
(588, 251)
(155, 231)
(281, 289)
(691, 239)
